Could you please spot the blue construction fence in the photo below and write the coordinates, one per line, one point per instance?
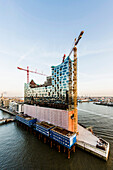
(67, 139)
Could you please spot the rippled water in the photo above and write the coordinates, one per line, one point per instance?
(21, 150)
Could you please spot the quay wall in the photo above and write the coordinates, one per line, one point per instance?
(8, 111)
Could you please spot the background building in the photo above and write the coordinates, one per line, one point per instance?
(16, 107)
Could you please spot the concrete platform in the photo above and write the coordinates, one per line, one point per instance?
(91, 143)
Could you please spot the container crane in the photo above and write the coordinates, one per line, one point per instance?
(31, 72)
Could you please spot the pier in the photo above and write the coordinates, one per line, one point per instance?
(91, 143)
(56, 137)
(6, 120)
(62, 138)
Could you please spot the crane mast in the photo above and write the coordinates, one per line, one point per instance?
(27, 74)
(74, 82)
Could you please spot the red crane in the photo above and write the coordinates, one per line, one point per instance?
(30, 71)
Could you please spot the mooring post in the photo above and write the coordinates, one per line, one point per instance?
(34, 133)
(73, 148)
(51, 143)
(39, 136)
(31, 131)
(68, 153)
(64, 149)
(44, 139)
(58, 148)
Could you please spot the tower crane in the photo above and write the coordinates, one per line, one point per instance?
(75, 81)
(31, 72)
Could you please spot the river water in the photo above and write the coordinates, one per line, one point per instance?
(22, 151)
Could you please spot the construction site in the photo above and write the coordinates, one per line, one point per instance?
(50, 109)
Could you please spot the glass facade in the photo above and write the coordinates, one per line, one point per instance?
(60, 79)
(59, 86)
(37, 92)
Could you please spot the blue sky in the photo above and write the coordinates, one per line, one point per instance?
(37, 34)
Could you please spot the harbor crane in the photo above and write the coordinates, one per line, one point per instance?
(30, 72)
(74, 82)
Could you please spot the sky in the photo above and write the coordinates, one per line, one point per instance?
(38, 33)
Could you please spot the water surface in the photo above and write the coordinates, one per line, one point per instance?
(22, 151)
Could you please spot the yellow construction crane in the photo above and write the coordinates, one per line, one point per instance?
(75, 81)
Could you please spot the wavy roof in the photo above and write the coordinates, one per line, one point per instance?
(63, 62)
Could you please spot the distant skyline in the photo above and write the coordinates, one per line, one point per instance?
(38, 33)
